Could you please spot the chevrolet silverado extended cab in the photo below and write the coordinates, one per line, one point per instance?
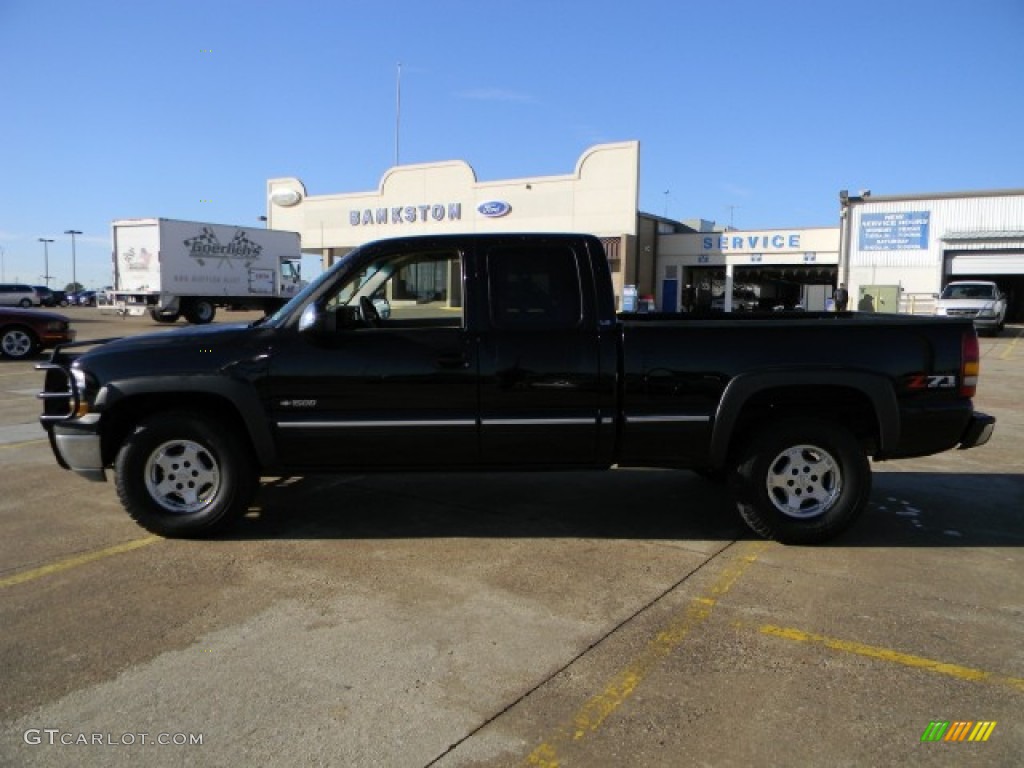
(505, 352)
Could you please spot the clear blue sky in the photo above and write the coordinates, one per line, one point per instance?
(754, 111)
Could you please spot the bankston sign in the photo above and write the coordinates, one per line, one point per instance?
(410, 214)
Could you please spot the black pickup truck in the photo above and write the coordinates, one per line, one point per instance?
(484, 352)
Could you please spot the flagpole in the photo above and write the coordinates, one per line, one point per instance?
(398, 112)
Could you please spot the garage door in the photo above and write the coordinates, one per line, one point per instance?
(988, 263)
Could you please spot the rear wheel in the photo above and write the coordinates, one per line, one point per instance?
(184, 474)
(200, 312)
(802, 481)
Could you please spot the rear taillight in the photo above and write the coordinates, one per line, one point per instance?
(970, 363)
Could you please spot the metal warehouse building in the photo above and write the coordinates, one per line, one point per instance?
(901, 249)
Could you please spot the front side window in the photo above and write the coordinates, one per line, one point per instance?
(406, 290)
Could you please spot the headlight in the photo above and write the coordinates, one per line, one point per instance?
(80, 379)
(84, 395)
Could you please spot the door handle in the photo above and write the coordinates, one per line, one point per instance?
(455, 360)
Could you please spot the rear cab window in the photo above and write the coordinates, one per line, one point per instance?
(534, 287)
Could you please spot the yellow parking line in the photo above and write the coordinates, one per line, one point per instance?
(1011, 346)
(624, 683)
(22, 443)
(894, 657)
(77, 560)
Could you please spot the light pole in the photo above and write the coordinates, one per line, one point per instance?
(74, 280)
(46, 260)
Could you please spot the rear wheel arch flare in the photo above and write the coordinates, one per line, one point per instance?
(747, 389)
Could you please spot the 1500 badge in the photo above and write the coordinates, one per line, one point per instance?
(298, 403)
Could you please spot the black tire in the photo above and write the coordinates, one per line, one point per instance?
(26, 303)
(200, 311)
(185, 475)
(164, 317)
(18, 343)
(801, 481)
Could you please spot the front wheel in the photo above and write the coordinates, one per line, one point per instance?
(802, 481)
(164, 317)
(18, 343)
(184, 475)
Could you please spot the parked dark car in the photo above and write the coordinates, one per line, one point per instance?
(85, 298)
(23, 332)
(48, 297)
(45, 295)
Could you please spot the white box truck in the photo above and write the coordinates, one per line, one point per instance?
(172, 268)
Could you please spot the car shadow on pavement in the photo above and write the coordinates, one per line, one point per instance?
(637, 504)
(907, 509)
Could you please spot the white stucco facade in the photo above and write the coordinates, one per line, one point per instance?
(598, 197)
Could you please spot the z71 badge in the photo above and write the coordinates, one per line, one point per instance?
(922, 381)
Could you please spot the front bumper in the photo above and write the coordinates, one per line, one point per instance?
(986, 323)
(77, 450)
(978, 431)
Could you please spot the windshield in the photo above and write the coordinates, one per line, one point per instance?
(968, 291)
(311, 289)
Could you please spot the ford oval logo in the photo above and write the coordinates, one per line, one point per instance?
(494, 209)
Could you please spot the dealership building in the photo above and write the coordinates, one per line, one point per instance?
(599, 197)
(898, 250)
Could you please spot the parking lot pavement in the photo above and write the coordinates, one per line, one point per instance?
(591, 619)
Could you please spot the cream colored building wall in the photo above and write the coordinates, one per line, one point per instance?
(600, 197)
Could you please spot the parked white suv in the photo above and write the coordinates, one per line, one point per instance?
(18, 295)
(978, 299)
